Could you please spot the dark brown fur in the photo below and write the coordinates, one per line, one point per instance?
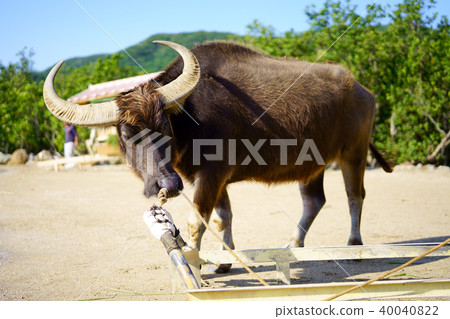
(320, 101)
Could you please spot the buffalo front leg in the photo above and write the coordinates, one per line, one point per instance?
(222, 218)
(207, 191)
(313, 198)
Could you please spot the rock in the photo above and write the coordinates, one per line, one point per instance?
(44, 155)
(31, 158)
(19, 156)
(4, 158)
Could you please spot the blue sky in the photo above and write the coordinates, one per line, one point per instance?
(60, 29)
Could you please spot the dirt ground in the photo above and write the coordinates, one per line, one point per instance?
(79, 234)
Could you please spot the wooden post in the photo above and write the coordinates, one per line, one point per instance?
(283, 269)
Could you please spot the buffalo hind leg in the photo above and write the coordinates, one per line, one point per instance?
(313, 199)
(353, 173)
(222, 217)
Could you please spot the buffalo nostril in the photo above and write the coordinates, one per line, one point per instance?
(169, 183)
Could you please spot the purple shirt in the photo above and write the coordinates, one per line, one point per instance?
(70, 132)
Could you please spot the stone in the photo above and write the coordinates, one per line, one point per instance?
(18, 157)
(44, 155)
(4, 158)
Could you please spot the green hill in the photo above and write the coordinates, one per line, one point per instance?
(151, 57)
(154, 57)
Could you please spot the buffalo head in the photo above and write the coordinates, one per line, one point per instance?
(141, 117)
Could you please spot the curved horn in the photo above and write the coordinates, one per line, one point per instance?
(99, 114)
(175, 92)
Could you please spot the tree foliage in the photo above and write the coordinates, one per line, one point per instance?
(25, 122)
(401, 55)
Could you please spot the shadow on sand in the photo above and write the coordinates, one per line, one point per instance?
(309, 272)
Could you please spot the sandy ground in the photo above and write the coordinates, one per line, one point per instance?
(79, 234)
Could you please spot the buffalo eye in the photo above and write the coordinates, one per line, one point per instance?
(125, 134)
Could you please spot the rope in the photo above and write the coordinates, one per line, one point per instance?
(390, 271)
(162, 196)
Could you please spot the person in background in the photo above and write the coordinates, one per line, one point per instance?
(71, 140)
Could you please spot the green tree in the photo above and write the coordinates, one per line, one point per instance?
(405, 63)
(418, 93)
(25, 122)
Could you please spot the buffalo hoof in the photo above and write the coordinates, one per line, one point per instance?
(354, 241)
(223, 268)
(293, 244)
(219, 269)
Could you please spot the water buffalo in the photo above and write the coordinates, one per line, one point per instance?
(234, 114)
